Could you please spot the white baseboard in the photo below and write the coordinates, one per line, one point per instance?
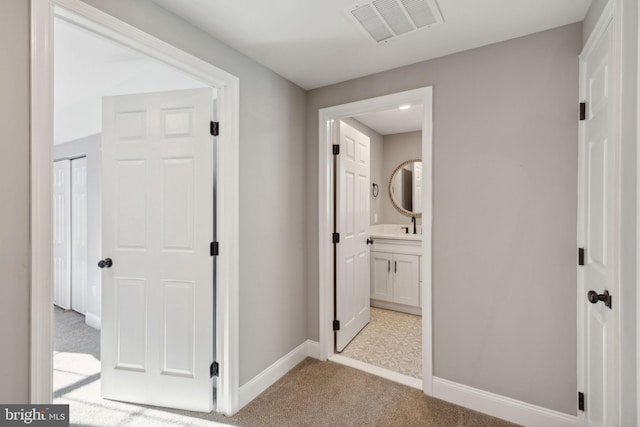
(377, 371)
(313, 349)
(488, 403)
(273, 373)
(92, 320)
(417, 311)
(500, 406)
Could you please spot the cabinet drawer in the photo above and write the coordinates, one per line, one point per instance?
(407, 247)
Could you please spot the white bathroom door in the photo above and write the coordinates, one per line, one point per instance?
(78, 234)
(598, 201)
(62, 233)
(157, 212)
(352, 224)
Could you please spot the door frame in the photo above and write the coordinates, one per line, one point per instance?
(610, 16)
(325, 216)
(227, 214)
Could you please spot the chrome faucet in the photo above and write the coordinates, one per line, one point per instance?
(413, 220)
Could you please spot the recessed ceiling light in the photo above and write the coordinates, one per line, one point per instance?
(404, 107)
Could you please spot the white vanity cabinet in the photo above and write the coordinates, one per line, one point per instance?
(406, 279)
(381, 276)
(395, 274)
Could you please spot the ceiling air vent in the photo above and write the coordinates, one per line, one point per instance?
(384, 20)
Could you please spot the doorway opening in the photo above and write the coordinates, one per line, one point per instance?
(382, 270)
(115, 109)
(146, 89)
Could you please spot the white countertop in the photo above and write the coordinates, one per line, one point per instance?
(394, 231)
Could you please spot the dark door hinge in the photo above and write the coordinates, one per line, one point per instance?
(336, 149)
(580, 256)
(336, 238)
(215, 128)
(581, 401)
(583, 111)
(213, 369)
(336, 325)
(214, 249)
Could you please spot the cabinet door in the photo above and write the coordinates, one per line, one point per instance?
(381, 276)
(406, 284)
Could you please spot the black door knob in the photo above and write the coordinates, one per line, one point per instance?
(105, 263)
(594, 297)
(369, 241)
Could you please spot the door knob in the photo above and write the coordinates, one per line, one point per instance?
(105, 263)
(594, 297)
(369, 241)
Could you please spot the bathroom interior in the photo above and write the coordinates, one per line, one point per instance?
(392, 340)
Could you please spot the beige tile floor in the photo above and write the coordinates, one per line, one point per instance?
(392, 340)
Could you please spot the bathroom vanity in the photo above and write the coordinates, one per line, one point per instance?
(396, 279)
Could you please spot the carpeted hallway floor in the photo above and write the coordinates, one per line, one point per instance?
(312, 394)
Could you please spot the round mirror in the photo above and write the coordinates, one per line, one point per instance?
(405, 187)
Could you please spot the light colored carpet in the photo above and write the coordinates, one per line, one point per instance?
(392, 340)
(312, 394)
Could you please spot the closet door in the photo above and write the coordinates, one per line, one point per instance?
(78, 234)
(62, 234)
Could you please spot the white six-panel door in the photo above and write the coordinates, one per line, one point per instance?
(352, 222)
(597, 211)
(62, 233)
(157, 298)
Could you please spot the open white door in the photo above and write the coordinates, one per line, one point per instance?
(157, 213)
(598, 209)
(62, 233)
(352, 224)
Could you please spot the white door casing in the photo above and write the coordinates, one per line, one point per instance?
(352, 223)
(227, 86)
(79, 234)
(62, 233)
(157, 298)
(326, 209)
(598, 210)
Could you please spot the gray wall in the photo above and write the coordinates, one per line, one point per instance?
(397, 149)
(89, 147)
(505, 166)
(272, 187)
(14, 209)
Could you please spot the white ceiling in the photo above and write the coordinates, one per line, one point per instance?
(313, 43)
(391, 122)
(88, 67)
